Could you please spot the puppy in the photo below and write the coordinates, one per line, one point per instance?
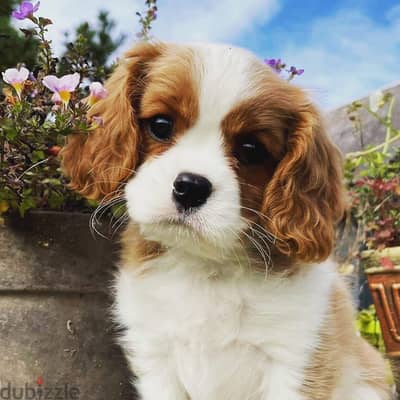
(225, 289)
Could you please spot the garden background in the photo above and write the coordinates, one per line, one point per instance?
(346, 55)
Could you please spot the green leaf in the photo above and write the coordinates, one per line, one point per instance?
(118, 210)
(11, 134)
(26, 204)
(38, 155)
(55, 200)
(27, 32)
(45, 21)
(52, 181)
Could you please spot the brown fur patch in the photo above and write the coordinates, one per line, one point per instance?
(171, 89)
(136, 249)
(339, 343)
(250, 118)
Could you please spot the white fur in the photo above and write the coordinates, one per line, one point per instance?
(199, 324)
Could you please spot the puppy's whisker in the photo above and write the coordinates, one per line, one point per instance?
(267, 248)
(249, 185)
(120, 184)
(259, 213)
(242, 247)
(113, 167)
(115, 220)
(121, 221)
(270, 237)
(258, 247)
(99, 212)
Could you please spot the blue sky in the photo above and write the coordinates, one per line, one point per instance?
(347, 47)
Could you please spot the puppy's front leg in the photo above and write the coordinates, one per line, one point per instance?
(160, 385)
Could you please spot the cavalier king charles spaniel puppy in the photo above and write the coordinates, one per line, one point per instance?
(225, 289)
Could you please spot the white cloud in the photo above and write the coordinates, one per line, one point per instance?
(211, 20)
(180, 20)
(347, 56)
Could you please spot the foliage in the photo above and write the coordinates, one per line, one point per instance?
(33, 127)
(147, 19)
(373, 177)
(369, 327)
(38, 110)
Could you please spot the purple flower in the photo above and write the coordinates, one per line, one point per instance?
(97, 92)
(97, 122)
(275, 63)
(153, 13)
(62, 87)
(294, 71)
(272, 62)
(26, 9)
(16, 78)
(31, 77)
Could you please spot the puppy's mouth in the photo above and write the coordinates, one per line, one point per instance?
(187, 222)
(189, 228)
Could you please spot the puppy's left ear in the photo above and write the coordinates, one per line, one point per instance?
(305, 197)
(98, 162)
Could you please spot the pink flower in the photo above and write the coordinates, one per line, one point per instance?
(97, 121)
(97, 92)
(387, 263)
(25, 10)
(16, 78)
(62, 87)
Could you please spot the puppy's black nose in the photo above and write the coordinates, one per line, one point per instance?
(191, 190)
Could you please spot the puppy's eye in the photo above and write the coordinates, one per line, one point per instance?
(249, 151)
(160, 127)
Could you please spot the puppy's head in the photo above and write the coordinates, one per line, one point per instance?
(212, 148)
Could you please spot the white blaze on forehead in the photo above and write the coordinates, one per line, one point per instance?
(225, 80)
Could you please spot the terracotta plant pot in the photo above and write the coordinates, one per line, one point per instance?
(384, 284)
(55, 330)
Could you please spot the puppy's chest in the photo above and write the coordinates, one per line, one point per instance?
(194, 312)
(185, 308)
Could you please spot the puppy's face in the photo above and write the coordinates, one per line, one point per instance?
(214, 150)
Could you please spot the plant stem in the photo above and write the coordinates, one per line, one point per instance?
(375, 148)
(381, 120)
(2, 145)
(389, 126)
(46, 50)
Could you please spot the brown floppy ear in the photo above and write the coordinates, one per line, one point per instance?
(98, 162)
(305, 197)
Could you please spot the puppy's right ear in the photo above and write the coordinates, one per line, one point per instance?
(98, 162)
